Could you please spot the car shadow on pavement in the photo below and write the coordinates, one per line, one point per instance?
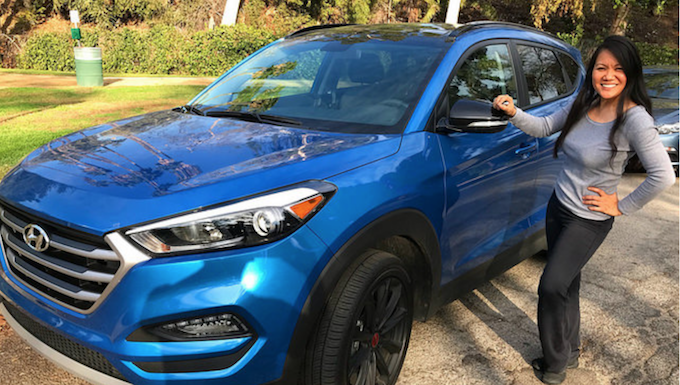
(504, 318)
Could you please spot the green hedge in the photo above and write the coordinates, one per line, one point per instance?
(653, 54)
(159, 50)
(167, 50)
(212, 52)
(47, 51)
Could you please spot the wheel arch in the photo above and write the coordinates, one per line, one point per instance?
(407, 234)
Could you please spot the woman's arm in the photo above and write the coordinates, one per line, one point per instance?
(535, 126)
(644, 138)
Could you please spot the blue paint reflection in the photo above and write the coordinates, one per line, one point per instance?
(251, 277)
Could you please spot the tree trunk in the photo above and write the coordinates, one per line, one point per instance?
(230, 12)
(453, 12)
(620, 23)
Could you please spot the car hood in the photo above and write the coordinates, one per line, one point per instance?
(665, 111)
(159, 164)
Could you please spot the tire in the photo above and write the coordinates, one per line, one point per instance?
(634, 165)
(364, 331)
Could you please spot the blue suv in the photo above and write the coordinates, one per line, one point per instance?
(289, 223)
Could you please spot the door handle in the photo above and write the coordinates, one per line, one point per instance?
(526, 149)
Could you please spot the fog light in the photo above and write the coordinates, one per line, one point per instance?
(210, 327)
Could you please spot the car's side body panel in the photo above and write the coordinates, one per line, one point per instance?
(547, 167)
(490, 190)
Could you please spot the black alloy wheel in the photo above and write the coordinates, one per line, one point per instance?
(380, 335)
(364, 332)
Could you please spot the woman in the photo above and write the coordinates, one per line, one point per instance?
(609, 119)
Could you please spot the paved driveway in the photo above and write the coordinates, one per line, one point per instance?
(629, 318)
(629, 314)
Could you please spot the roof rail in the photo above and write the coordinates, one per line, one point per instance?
(314, 28)
(473, 25)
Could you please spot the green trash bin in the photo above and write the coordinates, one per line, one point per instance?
(89, 72)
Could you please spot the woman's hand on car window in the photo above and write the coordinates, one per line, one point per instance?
(603, 202)
(505, 104)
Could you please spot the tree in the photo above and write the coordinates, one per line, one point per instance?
(622, 10)
(543, 10)
(108, 12)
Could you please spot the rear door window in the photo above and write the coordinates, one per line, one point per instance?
(570, 67)
(543, 73)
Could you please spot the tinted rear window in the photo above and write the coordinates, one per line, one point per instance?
(543, 73)
(570, 66)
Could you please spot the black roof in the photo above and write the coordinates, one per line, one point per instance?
(378, 30)
(425, 29)
(467, 27)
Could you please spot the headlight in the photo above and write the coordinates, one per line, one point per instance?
(668, 128)
(250, 222)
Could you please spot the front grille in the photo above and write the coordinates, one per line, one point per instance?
(70, 272)
(63, 345)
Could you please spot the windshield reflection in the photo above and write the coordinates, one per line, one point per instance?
(354, 82)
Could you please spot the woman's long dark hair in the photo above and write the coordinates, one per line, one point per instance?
(627, 55)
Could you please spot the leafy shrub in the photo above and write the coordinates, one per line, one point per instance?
(166, 50)
(124, 51)
(213, 52)
(574, 37)
(48, 51)
(160, 50)
(653, 54)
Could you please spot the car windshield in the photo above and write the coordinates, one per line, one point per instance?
(364, 85)
(663, 85)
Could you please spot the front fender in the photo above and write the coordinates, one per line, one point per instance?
(424, 260)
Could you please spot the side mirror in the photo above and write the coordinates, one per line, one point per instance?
(473, 116)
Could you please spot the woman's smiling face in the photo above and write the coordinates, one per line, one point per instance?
(609, 80)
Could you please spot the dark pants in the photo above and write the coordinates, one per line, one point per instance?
(571, 242)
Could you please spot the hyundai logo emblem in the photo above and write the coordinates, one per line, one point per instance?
(36, 238)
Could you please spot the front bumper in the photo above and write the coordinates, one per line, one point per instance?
(280, 276)
(65, 362)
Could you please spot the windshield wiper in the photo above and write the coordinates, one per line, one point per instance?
(254, 116)
(189, 109)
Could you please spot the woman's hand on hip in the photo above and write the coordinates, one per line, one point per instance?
(505, 104)
(603, 202)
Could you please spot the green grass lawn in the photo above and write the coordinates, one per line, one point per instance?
(31, 117)
(36, 72)
(73, 73)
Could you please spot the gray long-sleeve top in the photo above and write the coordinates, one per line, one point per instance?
(587, 154)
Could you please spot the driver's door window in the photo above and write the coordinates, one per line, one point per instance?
(485, 74)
